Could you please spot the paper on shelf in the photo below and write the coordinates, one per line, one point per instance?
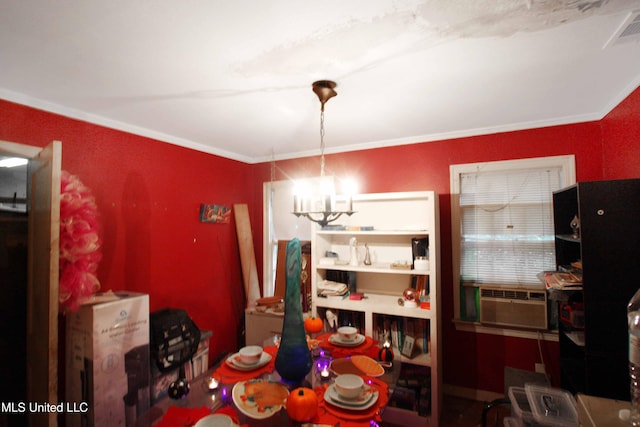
(328, 288)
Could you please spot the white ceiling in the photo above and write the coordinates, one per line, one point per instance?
(233, 78)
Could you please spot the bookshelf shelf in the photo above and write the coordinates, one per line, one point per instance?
(375, 303)
(378, 268)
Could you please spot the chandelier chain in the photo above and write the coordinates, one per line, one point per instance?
(322, 142)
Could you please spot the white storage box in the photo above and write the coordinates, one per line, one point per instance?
(537, 405)
(552, 406)
(520, 408)
(107, 360)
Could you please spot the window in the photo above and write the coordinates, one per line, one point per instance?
(502, 224)
(279, 224)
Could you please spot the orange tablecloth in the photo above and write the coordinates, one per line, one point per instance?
(177, 416)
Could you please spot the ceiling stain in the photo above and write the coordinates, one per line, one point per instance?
(464, 18)
(407, 25)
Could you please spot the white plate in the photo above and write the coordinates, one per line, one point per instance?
(336, 340)
(365, 401)
(235, 362)
(247, 404)
(359, 401)
(215, 420)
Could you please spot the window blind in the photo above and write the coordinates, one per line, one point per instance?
(506, 220)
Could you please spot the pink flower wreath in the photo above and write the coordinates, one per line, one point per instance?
(80, 243)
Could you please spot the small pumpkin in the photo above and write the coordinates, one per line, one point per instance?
(302, 404)
(313, 324)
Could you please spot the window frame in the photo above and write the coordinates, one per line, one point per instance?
(566, 162)
(277, 202)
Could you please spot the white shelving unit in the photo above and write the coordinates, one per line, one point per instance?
(391, 221)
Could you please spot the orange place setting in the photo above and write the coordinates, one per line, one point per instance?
(234, 361)
(335, 339)
(366, 399)
(231, 371)
(357, 413)
(339, 349)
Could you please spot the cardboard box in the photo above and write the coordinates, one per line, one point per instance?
(107, 360)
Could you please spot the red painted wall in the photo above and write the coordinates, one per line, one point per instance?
(607, 149)
(149, 195)
(621, 139)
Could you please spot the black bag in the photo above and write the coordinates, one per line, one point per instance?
(174, 338)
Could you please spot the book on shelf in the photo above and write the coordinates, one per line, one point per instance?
(404, 398)
(422, 335)
(413, 390)
(395, 334)
(359, 228)
(421, 284)
(338, 276)
(424, 401)
(396, 328)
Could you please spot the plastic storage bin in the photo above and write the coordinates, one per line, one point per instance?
(540, 406)
(552, 406)
(520, 409)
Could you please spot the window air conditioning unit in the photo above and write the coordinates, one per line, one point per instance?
(520, 308)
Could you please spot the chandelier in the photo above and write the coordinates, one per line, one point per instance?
(319, 204)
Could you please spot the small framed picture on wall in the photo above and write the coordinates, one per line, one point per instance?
(215, 213)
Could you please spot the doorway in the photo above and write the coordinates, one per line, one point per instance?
(13, 281)
(43, 231)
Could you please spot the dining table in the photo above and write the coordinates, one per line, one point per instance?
(222, 389)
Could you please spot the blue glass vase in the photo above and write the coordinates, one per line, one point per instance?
(293, 360)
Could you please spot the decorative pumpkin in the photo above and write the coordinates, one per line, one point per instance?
(385, 354)
(313, 324)
(302, 404)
